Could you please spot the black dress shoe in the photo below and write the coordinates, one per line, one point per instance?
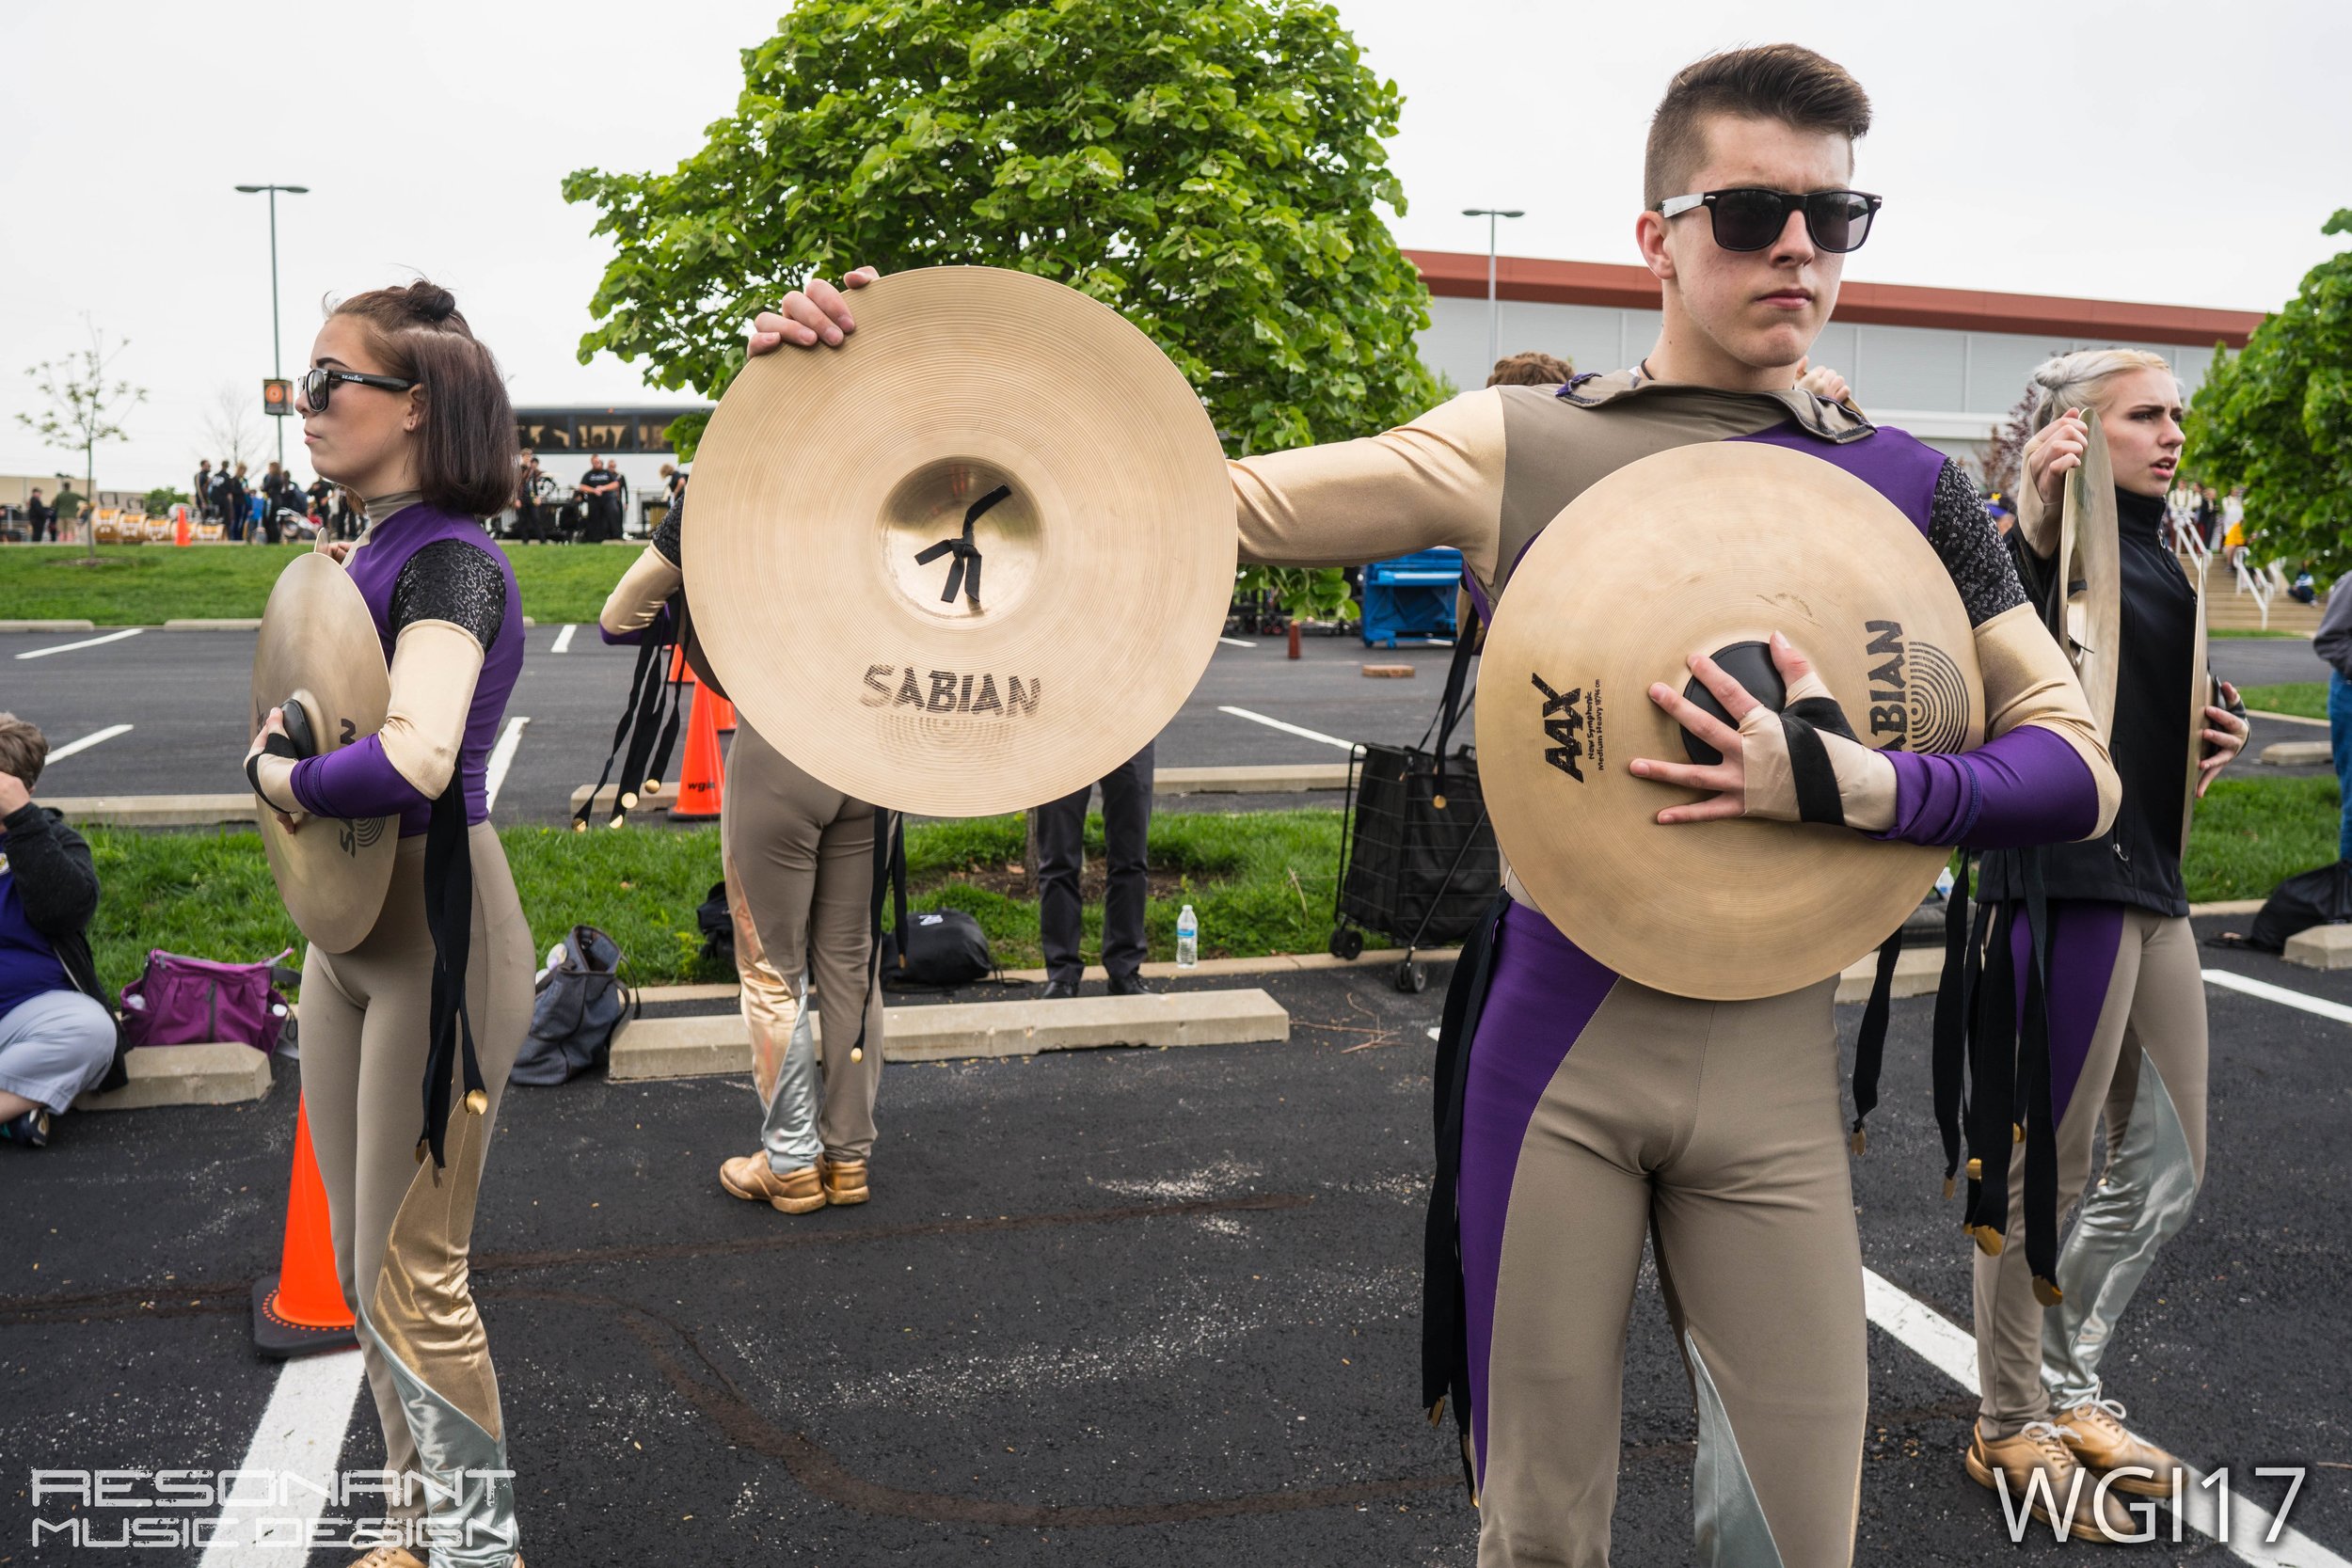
(1059, 991)
(1131, 984)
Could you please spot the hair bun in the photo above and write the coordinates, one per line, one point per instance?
(431, 302)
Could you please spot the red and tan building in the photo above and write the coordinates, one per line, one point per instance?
(1945, 364)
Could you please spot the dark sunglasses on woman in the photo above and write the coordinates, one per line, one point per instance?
(313, 387)
(1749, 218)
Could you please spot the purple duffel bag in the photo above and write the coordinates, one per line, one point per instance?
(182, 1000)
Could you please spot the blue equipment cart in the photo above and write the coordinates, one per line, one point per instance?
(1409, 602)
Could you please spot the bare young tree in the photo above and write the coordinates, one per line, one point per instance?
(227, 428)
(83, 409)
(2005, 455)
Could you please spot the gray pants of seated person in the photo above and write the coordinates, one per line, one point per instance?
(55, 1045)
(1060, 829)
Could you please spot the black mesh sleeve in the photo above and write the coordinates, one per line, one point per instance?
(668, 537)
(455, 581)
(1964, 540)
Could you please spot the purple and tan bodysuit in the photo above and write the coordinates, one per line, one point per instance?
(445, 606)
(1596, 1111)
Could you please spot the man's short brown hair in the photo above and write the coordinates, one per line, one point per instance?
(24, 748)
(1786, 82)
(1535, 368)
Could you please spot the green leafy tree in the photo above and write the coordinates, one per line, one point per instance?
(81, 408)
(2277, 417)
(1209, 169)
(159, 501)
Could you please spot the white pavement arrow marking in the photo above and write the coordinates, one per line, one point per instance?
(96, 738)
(301, 1433)
(85, 643)
(563, 640)
(2253, 1535)
(2280, 994)
(502, 758)
(1289, 729)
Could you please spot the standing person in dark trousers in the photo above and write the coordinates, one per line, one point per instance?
(1060, 829)
(322, 496)
(226, 503)
(202, 491)
(38, 515)
(2333, 643)
(277, 491)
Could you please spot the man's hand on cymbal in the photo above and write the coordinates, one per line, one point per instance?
(1729, 778)
(816, 314)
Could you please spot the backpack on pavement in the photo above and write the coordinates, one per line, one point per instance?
(579, 1007)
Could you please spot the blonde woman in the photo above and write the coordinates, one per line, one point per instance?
(2127, 1004)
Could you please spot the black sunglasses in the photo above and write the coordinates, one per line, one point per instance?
(313, 387)
(1752, 219)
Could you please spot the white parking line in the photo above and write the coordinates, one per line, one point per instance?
(2280, 994)
(85, 643)
(563, 640)
(1235, 643)
(301, 1433)
(1952, 1351)
(502, 758)
(94, 738)
(1289, 729)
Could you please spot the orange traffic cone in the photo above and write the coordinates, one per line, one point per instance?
(179, 523)
(680, 669)
(300, 1310)
(703, 776)
(725, 708)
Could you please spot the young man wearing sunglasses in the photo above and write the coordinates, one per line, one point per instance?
(1595, 1109)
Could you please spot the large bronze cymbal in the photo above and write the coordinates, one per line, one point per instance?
(1695, 550)
(318, 657)
(972, 558)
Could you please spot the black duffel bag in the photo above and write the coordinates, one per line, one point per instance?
(577, 1012)
(938, 949)
(2322, 896)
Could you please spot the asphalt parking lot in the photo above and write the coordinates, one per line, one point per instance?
(169, 708)
(163, 712)
(1120, 1306)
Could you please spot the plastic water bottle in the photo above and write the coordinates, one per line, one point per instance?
(1187, 938)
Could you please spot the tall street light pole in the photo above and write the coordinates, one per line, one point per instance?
(276, 345)
(1494, 318)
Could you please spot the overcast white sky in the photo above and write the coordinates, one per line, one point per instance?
(2161, 151)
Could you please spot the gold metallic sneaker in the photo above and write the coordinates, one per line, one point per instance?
(2096, 1433)
(2039, 1447)
(845, 1181)
(794, 1192)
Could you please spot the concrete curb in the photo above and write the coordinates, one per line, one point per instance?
(2296, 753)
(2321, 947)
(155, 811)
(1255, 779)
(224, 1072)
(715, 1044)
(48, 625)
(2284, 718)
(225, 623)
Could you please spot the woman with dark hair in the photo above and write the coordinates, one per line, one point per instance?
(404, 407)
(2127, 999)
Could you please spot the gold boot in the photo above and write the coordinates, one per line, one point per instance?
(2098, 1437)
(2039, 1447)
(750, 1176)
(845, 1181)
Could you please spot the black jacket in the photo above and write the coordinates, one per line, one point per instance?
(57, 884)
(2137, 861)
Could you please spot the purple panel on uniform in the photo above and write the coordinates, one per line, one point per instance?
(2028, 787)
(2086, 935)
(1893, 462)
(657, 632)
(1543, 991)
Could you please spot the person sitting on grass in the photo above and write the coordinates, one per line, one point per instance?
(57, 1031)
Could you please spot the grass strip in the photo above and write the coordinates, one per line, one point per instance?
(144, 585)
(2304, 699)
(1261, 882)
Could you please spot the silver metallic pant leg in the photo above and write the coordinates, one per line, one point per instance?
(2142, 1200)
(789, 1132)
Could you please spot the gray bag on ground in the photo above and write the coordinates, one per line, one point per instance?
(580, 1006)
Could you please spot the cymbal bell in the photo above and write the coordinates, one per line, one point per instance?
(2090, 557)
(1695, 550)
(971, 560)
(318, 650)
